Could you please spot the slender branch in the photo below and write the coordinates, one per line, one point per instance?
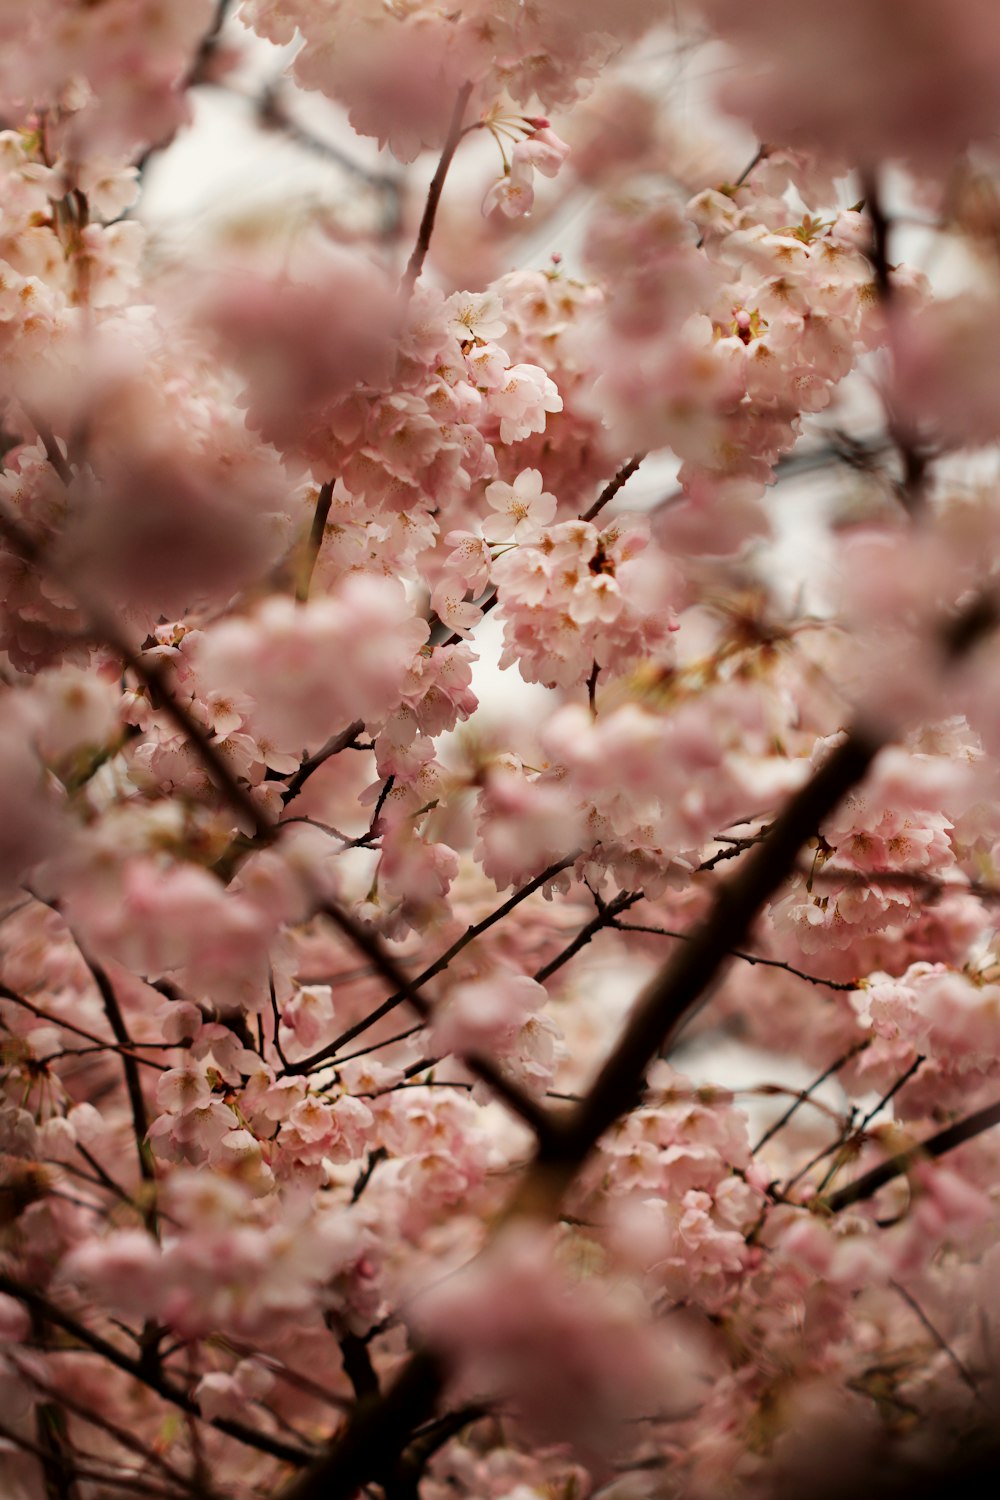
(416, 262)
(136, 1484)
(312, 763)
(368, 1445)
(315, 542)
(801, 1098)
(519, 1103)
(389, 1041)
(52, 450)
(613, 485)
(747, 958)
(163, 1387)
(208, 44)
(604, 918)
(121, 1435)
(936, 1145)
(43, 1015)
(104, 628)
(492, 598)
(133, 1084)
(938, 1337)
(911, 488)
(918, 880)
(853, 1141)
(408, 988)
(368, 1171)
(273, 114)
(105, 1178)
(761, 154)
(683, 985)
(59, 1463)
(595, 672)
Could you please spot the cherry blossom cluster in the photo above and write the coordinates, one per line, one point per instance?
(582, 1087)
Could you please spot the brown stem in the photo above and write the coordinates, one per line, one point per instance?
(748, 958)
(685, 981)
(43, 1015)
(369, 1445)
(613, 485)
(316, 535)
(409, 987)
(163, 1387)
(332, 747)
(133, 1084)
(804, 1095)
(416, 262)
(911, 488)
(104, 628)
(936, 1145)
(605, 918)
(527, 1109)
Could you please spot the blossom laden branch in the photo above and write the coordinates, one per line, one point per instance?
(407, 988)
(158, 1383)
(685, 982)
(517, 1101)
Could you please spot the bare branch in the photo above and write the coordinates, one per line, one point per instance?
(420, 249)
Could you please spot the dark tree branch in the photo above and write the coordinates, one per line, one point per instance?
(368, 1446)
(686, 980)
(747, 958)
(333, 746)
(527, 1109)
(911, 487)
(315, 542)
(806, 1093)
(606, 917)
(936, 1145)
(159, 1383)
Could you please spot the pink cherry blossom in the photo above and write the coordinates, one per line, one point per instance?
(524, 507)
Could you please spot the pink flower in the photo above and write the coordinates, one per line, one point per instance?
(524, 507)
(908, 78)
(124, 1271)
(573, 1358)
(280, 658)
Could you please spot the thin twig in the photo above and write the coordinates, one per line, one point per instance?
(163, 1387)
(342, 741)
(416, 262)
(801, 1098)
(911, 488)
(6, 993)
(307, 1064)
(613, 485)
(938, 1337)
(856, 1136)
(748, 958)
(367, 942)
(606, 916)
(133, 1084)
